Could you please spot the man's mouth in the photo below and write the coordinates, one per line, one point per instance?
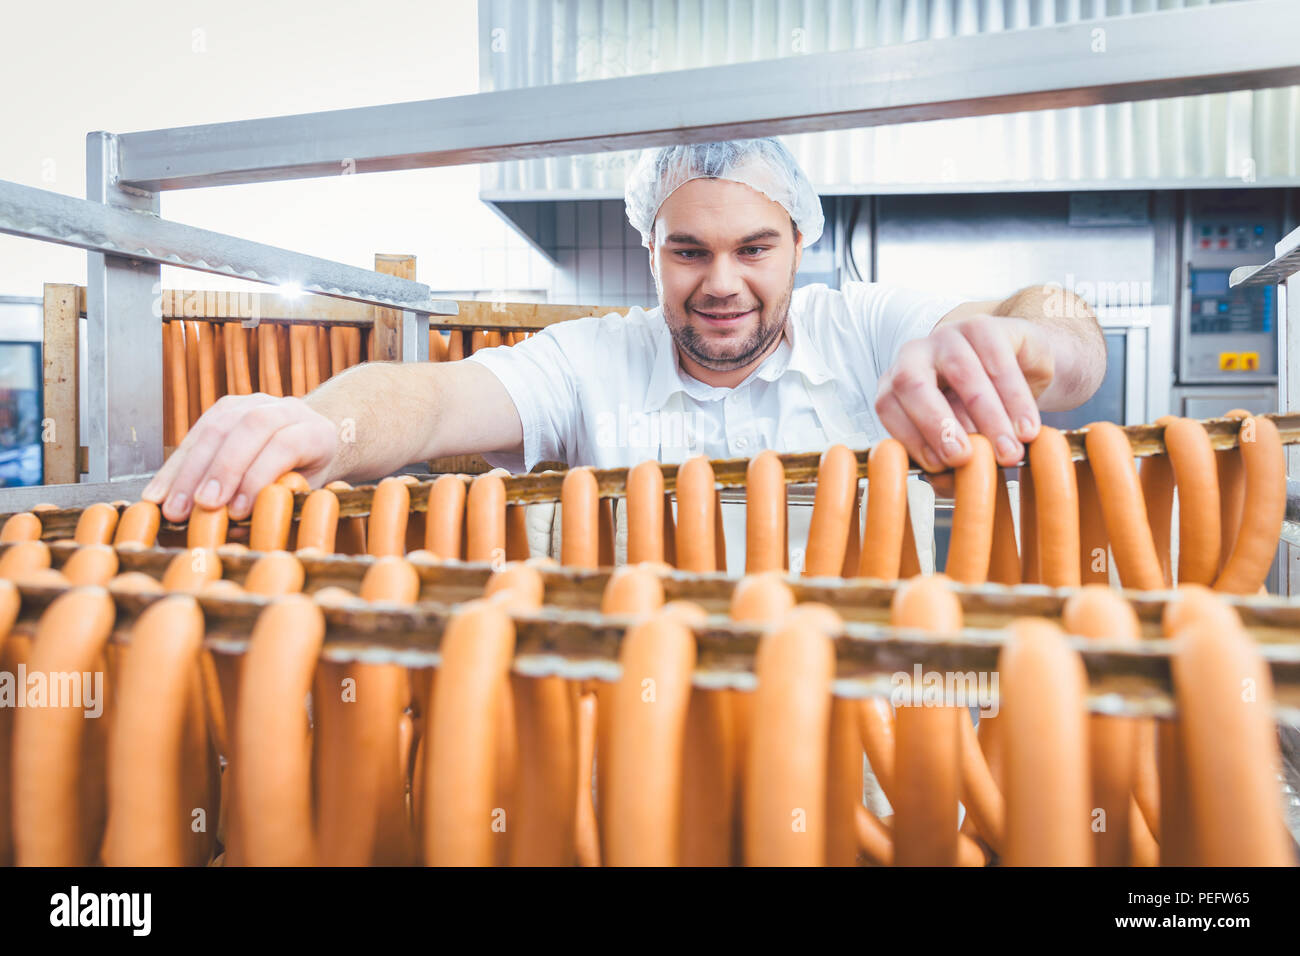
(722, 318)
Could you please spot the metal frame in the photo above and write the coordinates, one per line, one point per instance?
(1143, 57)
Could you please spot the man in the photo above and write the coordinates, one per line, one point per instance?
(734, 360)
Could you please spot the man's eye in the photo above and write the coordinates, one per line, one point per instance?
(754, 250)
(689, 253)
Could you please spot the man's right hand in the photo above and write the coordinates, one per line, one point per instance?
(237, 447)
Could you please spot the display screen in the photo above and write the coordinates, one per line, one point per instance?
(1209, 282)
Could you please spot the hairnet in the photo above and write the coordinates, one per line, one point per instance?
(761, 164)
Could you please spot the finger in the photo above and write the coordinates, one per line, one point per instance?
(959, 409)
(898, 425)
(281, 453)
(225, 411)
(962, 370)
(1005, 361)
(253, 432)
(915, 387)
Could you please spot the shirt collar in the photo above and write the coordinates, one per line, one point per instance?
(794, 354)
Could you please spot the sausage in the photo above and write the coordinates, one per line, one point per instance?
(985, 807)
(1156, 476)
(517, 547)
(135, 582)
(14, 651)
(272, 519)
(275, 573)
(191, 570)
(645, 513)
(445, 527)
(882, 540)
(179, 381)
(23, 526)
(96, 524)
(1197, 480)
(386, 530)
(585, 830)
(876, 728)
(1232, 492)
(1122, 507)
(644, 761)
(148, 816)
(1055, 505)
(294, 482)
(192, 374)
(207, 365)
(974, 510)
(1004, 555)
(1143, 849)
(1225, 705)
(437, 346)
(56, 749)
(928, 755)
(1094, 543)
(843, 783)
(1255, 547)
(223, 587)
(298, 359)
(391, 579)
(1030, 565)
(485, 538)
(765, 514)
(318, 524)
(785, 784)
(828, 530)
(459, 789)
(351, 535)
(632, 590)
(43, 577)
(708, 777)
(1044, 733)
(605, 533)
(1146, 783)
(763, 597)
(478, 341)
(207, 527)
(874, 838)
(695, 505)
(456, 345)
(273, 789)
(268, 361)
(23, 558)
(90, 565)
(517, 586)
(579, 515)
(1099, 612)
(670, 531)
(138, 525)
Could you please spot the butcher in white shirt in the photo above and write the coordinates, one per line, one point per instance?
(733, 360)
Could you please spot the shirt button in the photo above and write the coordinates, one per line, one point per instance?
(742, 442)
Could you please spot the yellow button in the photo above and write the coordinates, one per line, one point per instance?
(1250, 361)
(1229, 361)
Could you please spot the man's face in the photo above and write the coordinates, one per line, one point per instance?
(724, 258)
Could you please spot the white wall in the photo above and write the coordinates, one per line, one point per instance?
(74, 66)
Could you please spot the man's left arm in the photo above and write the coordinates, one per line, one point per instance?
(990, 367)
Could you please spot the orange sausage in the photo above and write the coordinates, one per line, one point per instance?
(298, 358)
(605, 533)
(23, 558)
(148, 817)
(138, 525)
(708, 778)
(1257, 536)
(1094, 544)
(1225, 703)
(1097, 611)
(645, 513)
(517, 586)
(207, 363)
(445, 528)
(192, 373)
(548, 771)
(585, 829)
(23, 526)
(1055, 509)
(649, 705)
(843, 783)
(318, 524)
(974, 510)
(96, 524)
(1122, 507)
(876, 727)
(1030, 569)
(294, 482)
(460, 818)
(1156, 477)
(135, 582)
(386, 530)
(695, 521)
(180, 403)
(207, 527)
(1232, 493)
(833, 506)
(928, 755)
(579, 516)
(273, 789)
(1044, 731)
(517, 547)
(1004, 556)
(191, 570)
(57, 750)
(338, 349)
(761, 597)
(765, 514)
(882, 540)
(785, 785)
(268, 361)
(272, 519)
(91, 565)
(437, 346)
(1197, 480)
(985, 807)
(350, 537)
(275, 573)
(485, 538)
(632, 590)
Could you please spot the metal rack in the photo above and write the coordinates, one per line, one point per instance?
(119, 224)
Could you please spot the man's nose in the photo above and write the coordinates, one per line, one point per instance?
(722, 280)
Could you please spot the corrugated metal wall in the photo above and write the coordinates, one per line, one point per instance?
(1246, 137)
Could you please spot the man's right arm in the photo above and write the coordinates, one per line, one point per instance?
(362, 424)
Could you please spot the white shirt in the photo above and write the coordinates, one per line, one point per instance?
(608, 391)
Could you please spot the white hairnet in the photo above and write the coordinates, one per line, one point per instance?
(761, 164)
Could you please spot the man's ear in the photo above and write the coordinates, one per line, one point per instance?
(798, 249)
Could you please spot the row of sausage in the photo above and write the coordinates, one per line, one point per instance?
(1074, 516)
(203, 361)
(471, 764)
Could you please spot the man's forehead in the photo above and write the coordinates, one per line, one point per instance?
(717, 210)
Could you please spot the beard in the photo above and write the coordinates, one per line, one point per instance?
(728, 354)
